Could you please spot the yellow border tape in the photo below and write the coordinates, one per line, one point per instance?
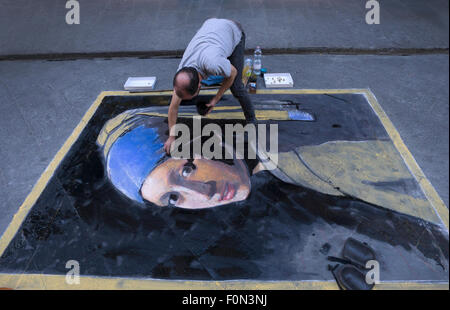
(41, 281)
(58, 282)
(428, 189)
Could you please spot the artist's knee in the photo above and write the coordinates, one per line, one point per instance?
(238, 91)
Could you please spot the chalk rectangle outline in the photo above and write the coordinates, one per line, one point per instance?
(40, 281)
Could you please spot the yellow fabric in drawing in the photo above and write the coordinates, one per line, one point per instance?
(358, 169)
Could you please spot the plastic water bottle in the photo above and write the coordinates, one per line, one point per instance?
(257, 61)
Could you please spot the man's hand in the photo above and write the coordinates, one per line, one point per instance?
(211, 105)
(168, 144)
(172, 119)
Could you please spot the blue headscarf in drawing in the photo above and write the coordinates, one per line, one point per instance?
(132, 157)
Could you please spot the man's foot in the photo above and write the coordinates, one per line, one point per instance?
(253, 121)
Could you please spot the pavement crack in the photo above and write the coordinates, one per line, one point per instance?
(392, 51)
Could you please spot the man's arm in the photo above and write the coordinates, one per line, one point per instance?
(172, 120)
(227, 82)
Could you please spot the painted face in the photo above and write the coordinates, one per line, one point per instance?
(197, 184)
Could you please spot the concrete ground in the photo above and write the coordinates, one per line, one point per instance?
(42, 101)
(39, 27)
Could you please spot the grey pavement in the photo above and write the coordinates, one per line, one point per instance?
(38, 27)
(41, 102)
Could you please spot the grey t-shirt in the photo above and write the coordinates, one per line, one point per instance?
(209, 49)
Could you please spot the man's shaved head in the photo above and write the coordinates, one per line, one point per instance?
(186, 82)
